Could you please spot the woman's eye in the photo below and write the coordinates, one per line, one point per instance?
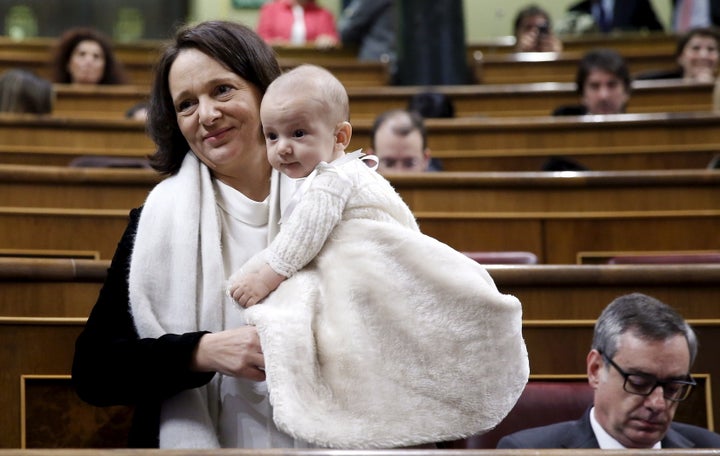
(299, 133)
(183, 106)
(222, 89)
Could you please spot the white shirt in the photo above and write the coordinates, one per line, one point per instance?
(605, 440)
(245, 410)
(298, 30)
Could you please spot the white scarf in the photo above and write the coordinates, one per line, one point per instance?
(177, 286)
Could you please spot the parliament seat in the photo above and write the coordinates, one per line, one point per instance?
(541, 403)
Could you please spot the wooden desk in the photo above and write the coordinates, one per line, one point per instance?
(62, 229)
(559, 192)
(560, 304)
(651, 42)
(41, 49)
(68, 187)
(96, 101)
(624, 141)
(351, 72)
(109, 188)
(535, 99)
(555, 237)
(497, 100)
(28, 139)
(525, 67)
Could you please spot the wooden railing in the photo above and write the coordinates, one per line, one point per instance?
(114, 188)
(560, 304)
(497, 100)
(624, 141)
(525, 67)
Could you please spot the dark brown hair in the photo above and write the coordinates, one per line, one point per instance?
(607, 60)
(416, 123)
(23, 92)
(113, 73)
(236, 47)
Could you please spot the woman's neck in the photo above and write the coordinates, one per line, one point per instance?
(254, 184)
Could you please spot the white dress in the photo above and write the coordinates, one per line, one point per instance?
(382, 336)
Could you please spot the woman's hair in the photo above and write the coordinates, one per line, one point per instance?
(23, 92)
(234, 46)
(113, 73)
(708, 32)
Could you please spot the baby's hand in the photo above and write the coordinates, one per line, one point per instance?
(248, 289)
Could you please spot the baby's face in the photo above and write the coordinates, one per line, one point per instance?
(298, 132)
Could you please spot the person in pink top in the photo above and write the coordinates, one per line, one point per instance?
(297, 22)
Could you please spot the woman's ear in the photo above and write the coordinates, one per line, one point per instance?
(343, 133)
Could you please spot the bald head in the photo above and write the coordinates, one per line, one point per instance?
(316, 84)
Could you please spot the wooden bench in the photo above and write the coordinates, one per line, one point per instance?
(498, 100)
(113, 188)
(536, 99)
(555, 237)
(556, 192)
(28, 139)
(96, 102)
(560, 304)
(624, 141)
(69, 187)
(464, 144)
(62, 229)
(651, 42)
(525, 67)
(351, 71)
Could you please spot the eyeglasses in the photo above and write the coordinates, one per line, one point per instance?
(405, 163)
(644, 384)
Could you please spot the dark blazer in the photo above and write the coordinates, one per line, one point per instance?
(113, 366)
(627, 14)
(714, 10)
(579, 434)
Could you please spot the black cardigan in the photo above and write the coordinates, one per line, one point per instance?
(113, 366)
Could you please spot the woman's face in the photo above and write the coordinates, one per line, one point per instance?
(218, 113)
(87, 63)
(699, 59)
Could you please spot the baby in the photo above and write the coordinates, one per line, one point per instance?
(374, 334)
(304, 115)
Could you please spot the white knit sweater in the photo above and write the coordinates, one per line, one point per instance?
(337, 192)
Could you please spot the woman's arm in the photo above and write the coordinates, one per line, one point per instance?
(112, 365)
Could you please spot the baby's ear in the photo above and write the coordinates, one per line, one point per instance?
(343, 135)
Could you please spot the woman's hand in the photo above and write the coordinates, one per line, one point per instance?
(234, 352)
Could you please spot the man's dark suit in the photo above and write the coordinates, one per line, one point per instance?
(579, 434)
(714, 10)
(627, 14)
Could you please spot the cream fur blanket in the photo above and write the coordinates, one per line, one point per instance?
(390, 338)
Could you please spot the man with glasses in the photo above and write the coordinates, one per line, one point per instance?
(399, 139)
(639, 367)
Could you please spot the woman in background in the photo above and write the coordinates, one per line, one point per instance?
(85, 56)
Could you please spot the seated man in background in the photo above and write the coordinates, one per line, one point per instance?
(533, 31)
(603, 83)
(639, 366)
(399, 139)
